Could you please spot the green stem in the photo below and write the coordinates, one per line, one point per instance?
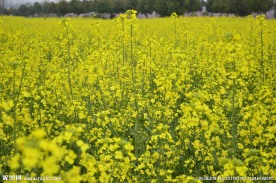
(262, 54)
(131, 45)
(233, 123)
(14, 109)
(175, 39)
(69, 66)
(123, 31)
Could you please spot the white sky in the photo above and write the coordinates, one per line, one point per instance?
(9, 3)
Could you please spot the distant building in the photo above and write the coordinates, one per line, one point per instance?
(2, 6)
(203, 8)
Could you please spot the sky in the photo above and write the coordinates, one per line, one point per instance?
(9, 3)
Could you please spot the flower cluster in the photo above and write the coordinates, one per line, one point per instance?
(131, 100)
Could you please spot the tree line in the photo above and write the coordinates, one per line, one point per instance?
(162, 7)
(240, 7)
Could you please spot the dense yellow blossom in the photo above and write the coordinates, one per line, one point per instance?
(137, 100)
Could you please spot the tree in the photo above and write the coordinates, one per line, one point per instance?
(239, 7)
(145, 6)
(221, 6)
(208, 5)
(192, 5)
(37, 8)
(24, 10)
(10, 11)
(120, 5)
(260, 6)
(50, 7)
(2, 6)
(162, 7)
(132, 4)
(75, 6)
(178, 7)
(86, 6)
(104, 6)
(62, 7)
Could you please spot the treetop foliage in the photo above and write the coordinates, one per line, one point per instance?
(162, 7)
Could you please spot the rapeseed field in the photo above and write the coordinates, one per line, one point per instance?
(138, 100)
